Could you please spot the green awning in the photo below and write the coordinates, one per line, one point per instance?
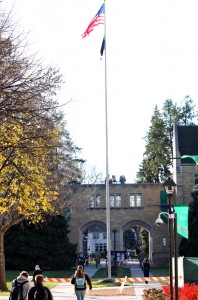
(194, 157)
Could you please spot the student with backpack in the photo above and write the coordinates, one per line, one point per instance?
(20, 287)
(79, 280)
(39, 291)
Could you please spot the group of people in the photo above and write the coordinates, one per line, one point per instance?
(28, 292)
(40, 292)
(83, 260)
(79, 280)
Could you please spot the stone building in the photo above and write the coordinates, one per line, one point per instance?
(130, 205)
(185, 144)
(133, 204)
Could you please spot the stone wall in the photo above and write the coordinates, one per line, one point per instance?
(121, 218)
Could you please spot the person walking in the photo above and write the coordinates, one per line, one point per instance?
(81, 260)
(39, 291)
(97, 259)
(146, 269)
(20, 285)
(36, 272)
(79, 279)
(141, 258)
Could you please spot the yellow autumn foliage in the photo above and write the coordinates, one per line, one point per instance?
(27, 184)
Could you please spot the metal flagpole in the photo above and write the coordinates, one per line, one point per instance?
(107, 161)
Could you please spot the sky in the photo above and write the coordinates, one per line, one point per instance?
(151, 56)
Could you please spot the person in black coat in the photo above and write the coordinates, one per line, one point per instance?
(146, 268)
(44, 291)
(81, 260)
(37, 271)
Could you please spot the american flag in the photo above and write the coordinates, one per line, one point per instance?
(97, 20)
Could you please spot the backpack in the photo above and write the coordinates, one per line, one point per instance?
(41, 293)
(17, 291)
(80, 282)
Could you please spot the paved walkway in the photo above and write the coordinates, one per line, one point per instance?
(65, 291)
(136, 271)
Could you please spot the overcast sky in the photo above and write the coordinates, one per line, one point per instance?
(152, 55)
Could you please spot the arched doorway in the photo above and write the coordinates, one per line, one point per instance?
(93, 239)
(137, 236)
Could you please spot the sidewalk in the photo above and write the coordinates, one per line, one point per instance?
(65, 291)
(136, 271)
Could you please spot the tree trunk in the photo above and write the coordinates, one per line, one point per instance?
(3, 286)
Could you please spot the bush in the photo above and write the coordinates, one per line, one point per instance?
(187, 292)
(156, 294)
(114, 270)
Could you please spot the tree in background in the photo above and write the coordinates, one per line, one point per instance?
(130, 239)
(157, 158)
(32, 143)
(156, 162)
(27, 245)
(145, 241)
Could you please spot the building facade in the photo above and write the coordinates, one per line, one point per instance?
(185, 169)
(130, 205)
(134, 204)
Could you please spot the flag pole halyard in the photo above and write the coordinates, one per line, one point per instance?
(100, 18)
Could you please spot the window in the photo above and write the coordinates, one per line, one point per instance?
(132, 200)
(95, 201)
(104, 235)
(95, 235)
(102, 248)
(91, 202)
(115, 200)
(164, 241)
(135, 200)
(118, 201)
(98, 200)
(111, 201)
(139, 200)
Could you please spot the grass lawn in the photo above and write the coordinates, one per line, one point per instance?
(104, 282)
(11, 275)
(159, 271)
(98, 280)
(103, 273)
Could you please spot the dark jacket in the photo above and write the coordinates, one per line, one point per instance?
(81, 260)
(146, 268)
(87, 278)
(36, 272)
(34, 288)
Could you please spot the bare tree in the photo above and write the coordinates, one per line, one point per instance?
(30, 177)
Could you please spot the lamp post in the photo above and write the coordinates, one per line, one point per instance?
(176, 257)
(169, 186)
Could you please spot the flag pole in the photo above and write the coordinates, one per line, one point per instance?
(107, 161)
